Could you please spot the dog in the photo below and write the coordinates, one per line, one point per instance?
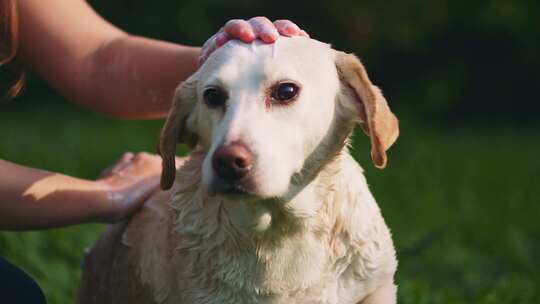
(269, 207)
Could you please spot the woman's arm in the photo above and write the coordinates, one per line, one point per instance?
(35, 199)
(103, 68)
(97, 65)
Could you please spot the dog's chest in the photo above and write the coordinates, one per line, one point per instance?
(208, 265)
(214, 263)
(297, 271)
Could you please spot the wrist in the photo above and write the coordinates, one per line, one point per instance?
(108, 208)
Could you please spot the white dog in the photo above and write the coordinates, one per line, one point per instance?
(270, 207)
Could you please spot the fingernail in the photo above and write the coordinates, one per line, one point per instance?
(269, 36)
(246, 35)
(292, 29)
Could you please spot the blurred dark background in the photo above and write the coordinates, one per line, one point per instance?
(436, 60)
(462, 191)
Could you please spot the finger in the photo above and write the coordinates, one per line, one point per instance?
(143, 156)
(209, 43)
(132, 201)
(240, 29)
(208, 47)
(206, 50)
(287, 28)
(222, 38)
(304, 33)
(123, 162)
(143, 165)
(134, 166)
(264, 29)
(126, 158)
(146, 188)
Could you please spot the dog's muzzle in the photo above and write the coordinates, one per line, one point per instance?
(232, 164)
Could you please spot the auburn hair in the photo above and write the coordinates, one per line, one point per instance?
(9, 44)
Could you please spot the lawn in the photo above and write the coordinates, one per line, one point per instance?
(462, 200)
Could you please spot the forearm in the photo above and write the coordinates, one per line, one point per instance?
(97, 65)
(35, 199)
(135, 77)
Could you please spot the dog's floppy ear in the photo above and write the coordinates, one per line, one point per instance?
(176, 130)
(374, 114)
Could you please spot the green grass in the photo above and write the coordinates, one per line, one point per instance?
(463, 202)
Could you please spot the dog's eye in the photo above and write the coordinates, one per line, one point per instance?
(285, 91)
(215, 97)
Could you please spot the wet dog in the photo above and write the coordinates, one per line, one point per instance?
(269, 207)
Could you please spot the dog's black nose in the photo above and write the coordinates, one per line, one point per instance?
(233, 161)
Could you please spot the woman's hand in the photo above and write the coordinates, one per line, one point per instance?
(36, 199)
(247, 31)
(128, 184)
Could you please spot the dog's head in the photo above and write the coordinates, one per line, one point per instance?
(260, 111)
